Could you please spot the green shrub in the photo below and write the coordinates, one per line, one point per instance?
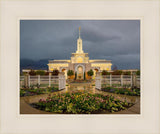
(70, 72)
(55, 72)
(40, 72)
(127, 73)
(117, 72)
(138, 72)
(104, 72)
(32, 72)
(90, 72)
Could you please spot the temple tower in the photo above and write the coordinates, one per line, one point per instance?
(79, 43)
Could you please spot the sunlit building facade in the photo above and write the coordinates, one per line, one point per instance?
(80, 63)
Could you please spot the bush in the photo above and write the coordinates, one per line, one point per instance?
(46, 73)
(127, 73)
(32, 91)
(138, 72)
(104, 72)
(32, 72)
(117, 72)
(70, 72)
(40, 72)
(126, 91)
(90, 72)
(55, 72)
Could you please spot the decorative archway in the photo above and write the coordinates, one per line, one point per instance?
(80, 69)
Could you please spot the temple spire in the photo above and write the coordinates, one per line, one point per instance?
(79, 32)
(79, 43)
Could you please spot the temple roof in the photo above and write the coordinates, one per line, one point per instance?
(100, 61)
(59, 61)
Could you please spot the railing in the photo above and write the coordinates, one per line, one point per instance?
(43, 81)
(117, 81)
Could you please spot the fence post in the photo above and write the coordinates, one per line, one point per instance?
(39, 80)
(134, 80)
(49, 79)
(29, 81)
(98, 81)
(131, 80)
(110, 82)
(26, 80)
(61, 78)
(121, 79)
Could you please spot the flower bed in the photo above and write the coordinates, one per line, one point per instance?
(80, 103)
(126, 91)
(37, 91)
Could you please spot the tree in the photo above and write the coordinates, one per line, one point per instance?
(32, 72)
(127, 73)
(84, 76)
(70, 72)
(104, 72)
(46, 73)
(55, 72)
(138, 72)
(40, 72)
(90, 72)
(117, 72)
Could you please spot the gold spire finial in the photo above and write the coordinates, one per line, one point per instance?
(79, 31)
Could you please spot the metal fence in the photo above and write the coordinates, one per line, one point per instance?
(43, 81)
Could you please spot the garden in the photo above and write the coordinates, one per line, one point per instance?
(36, 91)
(125, 91)
(80, 102)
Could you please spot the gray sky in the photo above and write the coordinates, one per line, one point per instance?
(116, 40)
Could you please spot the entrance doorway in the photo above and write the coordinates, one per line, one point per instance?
(80, 73)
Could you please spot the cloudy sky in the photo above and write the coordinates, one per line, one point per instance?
(116, 40)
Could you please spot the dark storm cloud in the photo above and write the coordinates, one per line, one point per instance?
(116, 40)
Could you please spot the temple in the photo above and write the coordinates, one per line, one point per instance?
(80, 63)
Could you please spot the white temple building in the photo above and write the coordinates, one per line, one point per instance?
(80, 62)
